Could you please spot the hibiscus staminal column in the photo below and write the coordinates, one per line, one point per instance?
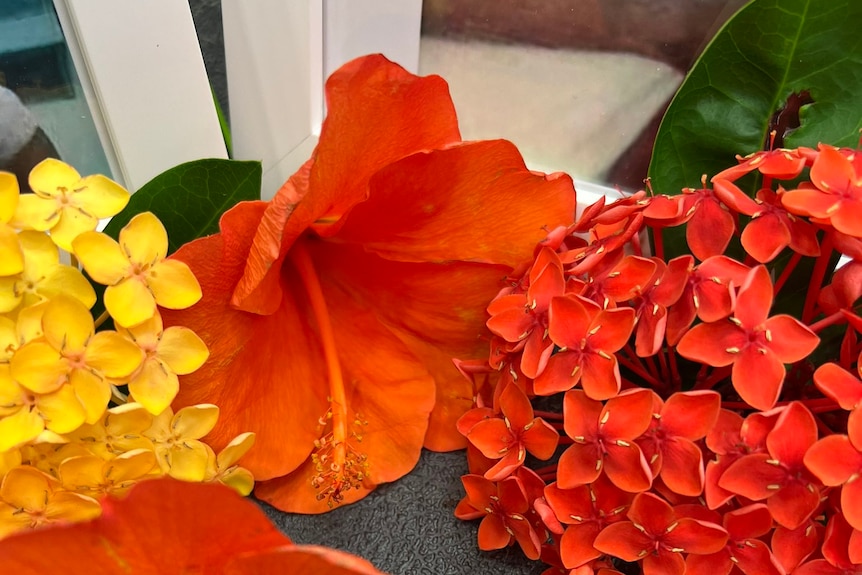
(339, 465)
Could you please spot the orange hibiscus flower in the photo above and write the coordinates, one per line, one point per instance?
(333, 311)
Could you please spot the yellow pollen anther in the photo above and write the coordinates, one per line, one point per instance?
(768, 335)
(671, 527)
(622, 443)
(773, 487)
(595, 330)
(604, 355)
(732, 350)
(605, 416)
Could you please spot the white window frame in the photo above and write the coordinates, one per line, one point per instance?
(278, 54)
(144, 79)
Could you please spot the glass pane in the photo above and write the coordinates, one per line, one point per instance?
(43, 111)
(577, 85)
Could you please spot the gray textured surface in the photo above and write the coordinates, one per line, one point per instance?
(408, 527)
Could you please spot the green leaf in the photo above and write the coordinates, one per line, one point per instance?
(190, 198)
(768, 51)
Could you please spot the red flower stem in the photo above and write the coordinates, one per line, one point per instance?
(674, 369)
(552, 468)
(658, 242)
(828, 321)
(548, 415)
(301, 259)
(566, 440)
(817, 276)
(640, 371)
(636, 244)
(786, 272)
(822, 427)
(714, 378)
(818, 405)
(662, 361)
(653, 368)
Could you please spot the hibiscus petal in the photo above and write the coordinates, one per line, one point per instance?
(216, 524)
(300, 560)
(369, 99)
(436, 310)
(424, 207)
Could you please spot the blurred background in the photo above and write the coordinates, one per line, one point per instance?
(577, 85)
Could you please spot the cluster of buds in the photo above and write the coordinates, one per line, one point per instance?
(711, 407)
(86, 411)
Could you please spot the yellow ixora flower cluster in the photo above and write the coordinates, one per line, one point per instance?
(68, 433)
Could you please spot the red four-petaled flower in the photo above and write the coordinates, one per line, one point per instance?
(755, 344)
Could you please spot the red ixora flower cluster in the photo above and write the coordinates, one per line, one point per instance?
(711, 409)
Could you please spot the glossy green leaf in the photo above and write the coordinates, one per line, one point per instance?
(768, 51)
(190, 198)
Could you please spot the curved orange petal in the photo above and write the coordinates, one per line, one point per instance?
(436, 310)
(277, 398)
(388, 391)
(377, 113)
(431, 206)
(162, 526)
(301, 560)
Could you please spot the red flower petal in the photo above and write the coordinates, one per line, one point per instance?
(628, 415)
(581, 414)
(851, 503)
(758, 377)
(792, 505)
(162, 526)
(834, 460)
(492, 437)
(795, 432)
(751, 477)
(580, 464)
(690, 414)
(665, 563)
(765, 237)
(749, 522)
(682, 467)
(570, 319)
(652, 513)
(493, 534)
(839, 384)
(627, 468)
(623, 540)
(576, 545)
(754, 299)
(600, 376)
(562, 373)
(792, 546)
(708, 343)
(694, 536)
